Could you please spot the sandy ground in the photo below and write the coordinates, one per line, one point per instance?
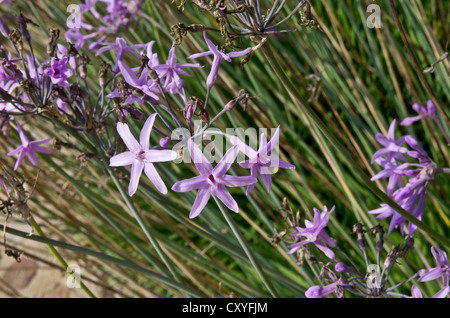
(33, 278)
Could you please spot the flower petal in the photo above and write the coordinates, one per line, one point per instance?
(238, 181)
(202, 198)
(155, 178)
(160, 155)
(201, 163)
(144, 137)
(136, 171)
(223, 195)
(127, 137)
(225, 163)
(122, 159)
(198, 182)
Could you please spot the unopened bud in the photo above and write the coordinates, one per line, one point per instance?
(358, 229)
(230, 105)
(342, 268)
(164, 142)
(204, 116)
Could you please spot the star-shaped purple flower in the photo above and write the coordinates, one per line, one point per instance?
(28, 148)
(442, 269)
(392, 147)
(261, 160)
(219, 56)
(212, 180)
(121, 47)
(140, 157)
(313, 232)
(171, 72)
(58, 71)
(147, 86)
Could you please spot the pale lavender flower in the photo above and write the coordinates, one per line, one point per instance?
(140, 157)
(262, 159)
(442, 269)
(171, 72)
(423, 112)
(142, 83)
(28, 148)
(416, 293)
(314, 233)
(121, 47)
(58, 72)
(219, 56)
(212, 181)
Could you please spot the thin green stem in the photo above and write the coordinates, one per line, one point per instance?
(58, 256)
(245, 247)
(349, 160)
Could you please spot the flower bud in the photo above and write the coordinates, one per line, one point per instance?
(230, 105)
(342, 268)
(164, 142)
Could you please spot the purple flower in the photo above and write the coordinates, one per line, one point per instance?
(412, 195)
(121, 47)
(416, 293)
(171, 72)
(314, 233)
(423, 112)
(145, 85)
(152, 57)
(260, 161)
(80, 39)
(58, 71)
(28, 148)
(89, 5)
(219, 56)
(392, 147)
(442, 269)
(212, 180)
(8, 70)
(140, 157)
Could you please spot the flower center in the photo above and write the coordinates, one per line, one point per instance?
(140, 155)
(263, 160)
(212, 180)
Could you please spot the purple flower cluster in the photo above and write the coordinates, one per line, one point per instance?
(119, 14)
(211, 181)
(394, 158)
(28, 148)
